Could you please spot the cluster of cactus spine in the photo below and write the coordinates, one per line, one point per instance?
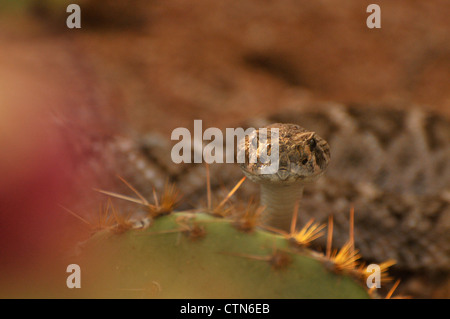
(219, 240)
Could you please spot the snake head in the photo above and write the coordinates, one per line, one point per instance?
(284, 154)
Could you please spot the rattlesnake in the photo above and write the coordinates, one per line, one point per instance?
(392, 165)
(282, 158)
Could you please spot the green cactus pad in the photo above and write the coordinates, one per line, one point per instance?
(182, 256)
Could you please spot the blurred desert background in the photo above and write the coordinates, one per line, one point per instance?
(144, 66)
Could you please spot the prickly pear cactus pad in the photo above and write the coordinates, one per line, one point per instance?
(187, 255)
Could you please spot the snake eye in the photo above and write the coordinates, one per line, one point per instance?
(312, 144)
(305, 161)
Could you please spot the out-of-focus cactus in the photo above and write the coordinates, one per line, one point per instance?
(198, 255)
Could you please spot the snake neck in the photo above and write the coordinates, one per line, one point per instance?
(279, 202)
